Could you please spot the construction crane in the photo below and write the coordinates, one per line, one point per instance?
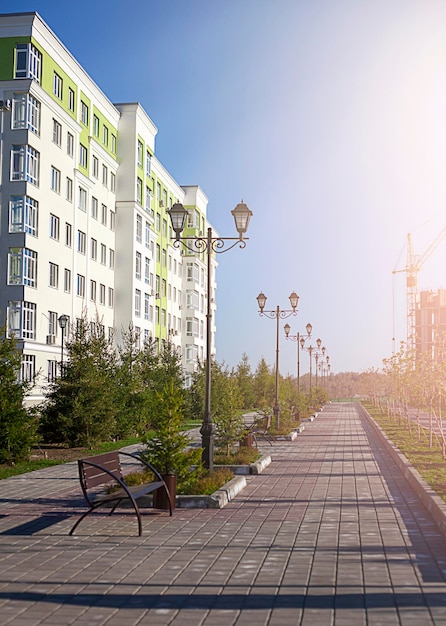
(414, 264)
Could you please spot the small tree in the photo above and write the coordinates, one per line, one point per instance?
(226, 404)
(166, 447)
(80, 406)
(17, 424)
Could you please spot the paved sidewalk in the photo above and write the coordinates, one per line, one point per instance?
(329, 534)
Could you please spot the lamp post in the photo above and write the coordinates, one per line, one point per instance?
(209, 244)
(277, 314)
(310, 351)
(298, 337)
(63, 321)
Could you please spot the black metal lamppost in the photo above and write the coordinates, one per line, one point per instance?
(324, 368)
(277, 314)
(63, 321)
(209, 244)
(310, 351)
(298, 337)
(317, 356)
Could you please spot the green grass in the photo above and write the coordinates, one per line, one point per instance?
(6, 471)
(427, 461)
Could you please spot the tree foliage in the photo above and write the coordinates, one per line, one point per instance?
(80, 406)
(17, 423)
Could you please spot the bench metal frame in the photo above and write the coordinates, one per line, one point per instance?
(104, 469)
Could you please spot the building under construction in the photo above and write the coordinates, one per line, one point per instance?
(430, 324)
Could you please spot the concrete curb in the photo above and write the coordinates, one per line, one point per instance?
(222, 496)
(217, 500)
(430, 499)
(258, 467)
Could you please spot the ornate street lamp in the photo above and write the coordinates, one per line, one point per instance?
(298, 338)
(310, 351)
(209, 244)
(63, 321)
(277, 314)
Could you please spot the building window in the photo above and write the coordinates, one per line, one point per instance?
(80, 290)
(54, 227)
(192, 327)
(84, 113)
(55, 179)
(67, 281)
(192, 273)
(110, 296)
(68, 234)
(28, 62)
(54, 275)
(93, 290)
(21, 320)
(148, 198)
(138, 266)
(103, 254)
(104, 215)
(71, 99)
(147, 271)
(25, 164)
(104, 175)
(57, 133)
(81, 242)
(111, 259)
(82, 205)
(83, 156)
(70, 144)
(93, 249)
(113, 143)
(22, 267)
(52, 370)
(191, 354)
(105, 136)
(147, 234)
(148, 163)
(112, 221)
(139, 191)
(137, 303)
(26, 113)
(140, 153)
(57, 85)
(94, 208)
(101, 294)
(112, 182)
(23, 215)
(139, 228)
(69, 190)
(95, 125)
(52, 323)
(146, 306)
(95, 166)
(28, 368)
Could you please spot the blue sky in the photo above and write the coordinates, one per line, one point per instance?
(326, 117)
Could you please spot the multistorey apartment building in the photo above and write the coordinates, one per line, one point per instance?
(84, 228)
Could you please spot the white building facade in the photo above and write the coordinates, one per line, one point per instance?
(84, 228)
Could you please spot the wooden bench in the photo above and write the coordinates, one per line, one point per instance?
(105, 470)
